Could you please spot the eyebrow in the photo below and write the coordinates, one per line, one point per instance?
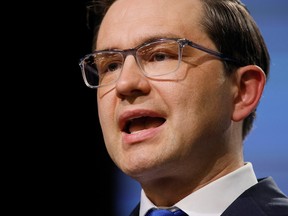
(145, 39)
(151, 38)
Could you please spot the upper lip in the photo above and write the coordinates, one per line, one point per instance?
(129, 115)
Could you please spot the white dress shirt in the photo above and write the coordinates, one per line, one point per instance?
(215, 197)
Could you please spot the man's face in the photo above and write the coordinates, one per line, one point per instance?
(154, 127)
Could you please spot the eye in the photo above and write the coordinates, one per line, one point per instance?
(109, 63)
(161, 52)
(113, 66)
(160, 56)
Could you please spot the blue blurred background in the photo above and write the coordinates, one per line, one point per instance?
(267, 145)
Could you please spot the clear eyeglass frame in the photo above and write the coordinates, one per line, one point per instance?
(154, 58)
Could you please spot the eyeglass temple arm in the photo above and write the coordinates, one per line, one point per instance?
(214, 53)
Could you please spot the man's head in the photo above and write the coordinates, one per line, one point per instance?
(228, 24)
(158, 127)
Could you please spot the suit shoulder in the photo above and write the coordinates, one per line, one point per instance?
(263, 199)
(268, 196)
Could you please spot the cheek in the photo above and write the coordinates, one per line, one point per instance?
(106, 107)
(106, 110)
(204, 95)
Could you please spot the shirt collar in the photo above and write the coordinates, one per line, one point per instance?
(214, 198)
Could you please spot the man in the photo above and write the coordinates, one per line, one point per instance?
(178, 84)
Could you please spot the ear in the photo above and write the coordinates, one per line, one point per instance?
(250, 81)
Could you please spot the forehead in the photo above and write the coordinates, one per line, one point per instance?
(130, 20)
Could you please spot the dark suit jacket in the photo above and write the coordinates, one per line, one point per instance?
(262, 199)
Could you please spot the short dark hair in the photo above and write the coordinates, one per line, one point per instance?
(96, 10)
(229, 25)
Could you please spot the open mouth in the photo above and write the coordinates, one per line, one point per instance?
(136, 125)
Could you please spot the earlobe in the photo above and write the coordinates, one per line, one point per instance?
(250, 85)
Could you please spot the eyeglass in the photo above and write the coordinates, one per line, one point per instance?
(155, 58)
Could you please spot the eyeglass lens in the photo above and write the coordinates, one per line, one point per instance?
(154, 59)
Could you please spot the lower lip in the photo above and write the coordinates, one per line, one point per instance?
(140, 136)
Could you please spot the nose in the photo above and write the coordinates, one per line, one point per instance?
(132, 82)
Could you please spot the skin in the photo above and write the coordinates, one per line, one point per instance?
(201, 139)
